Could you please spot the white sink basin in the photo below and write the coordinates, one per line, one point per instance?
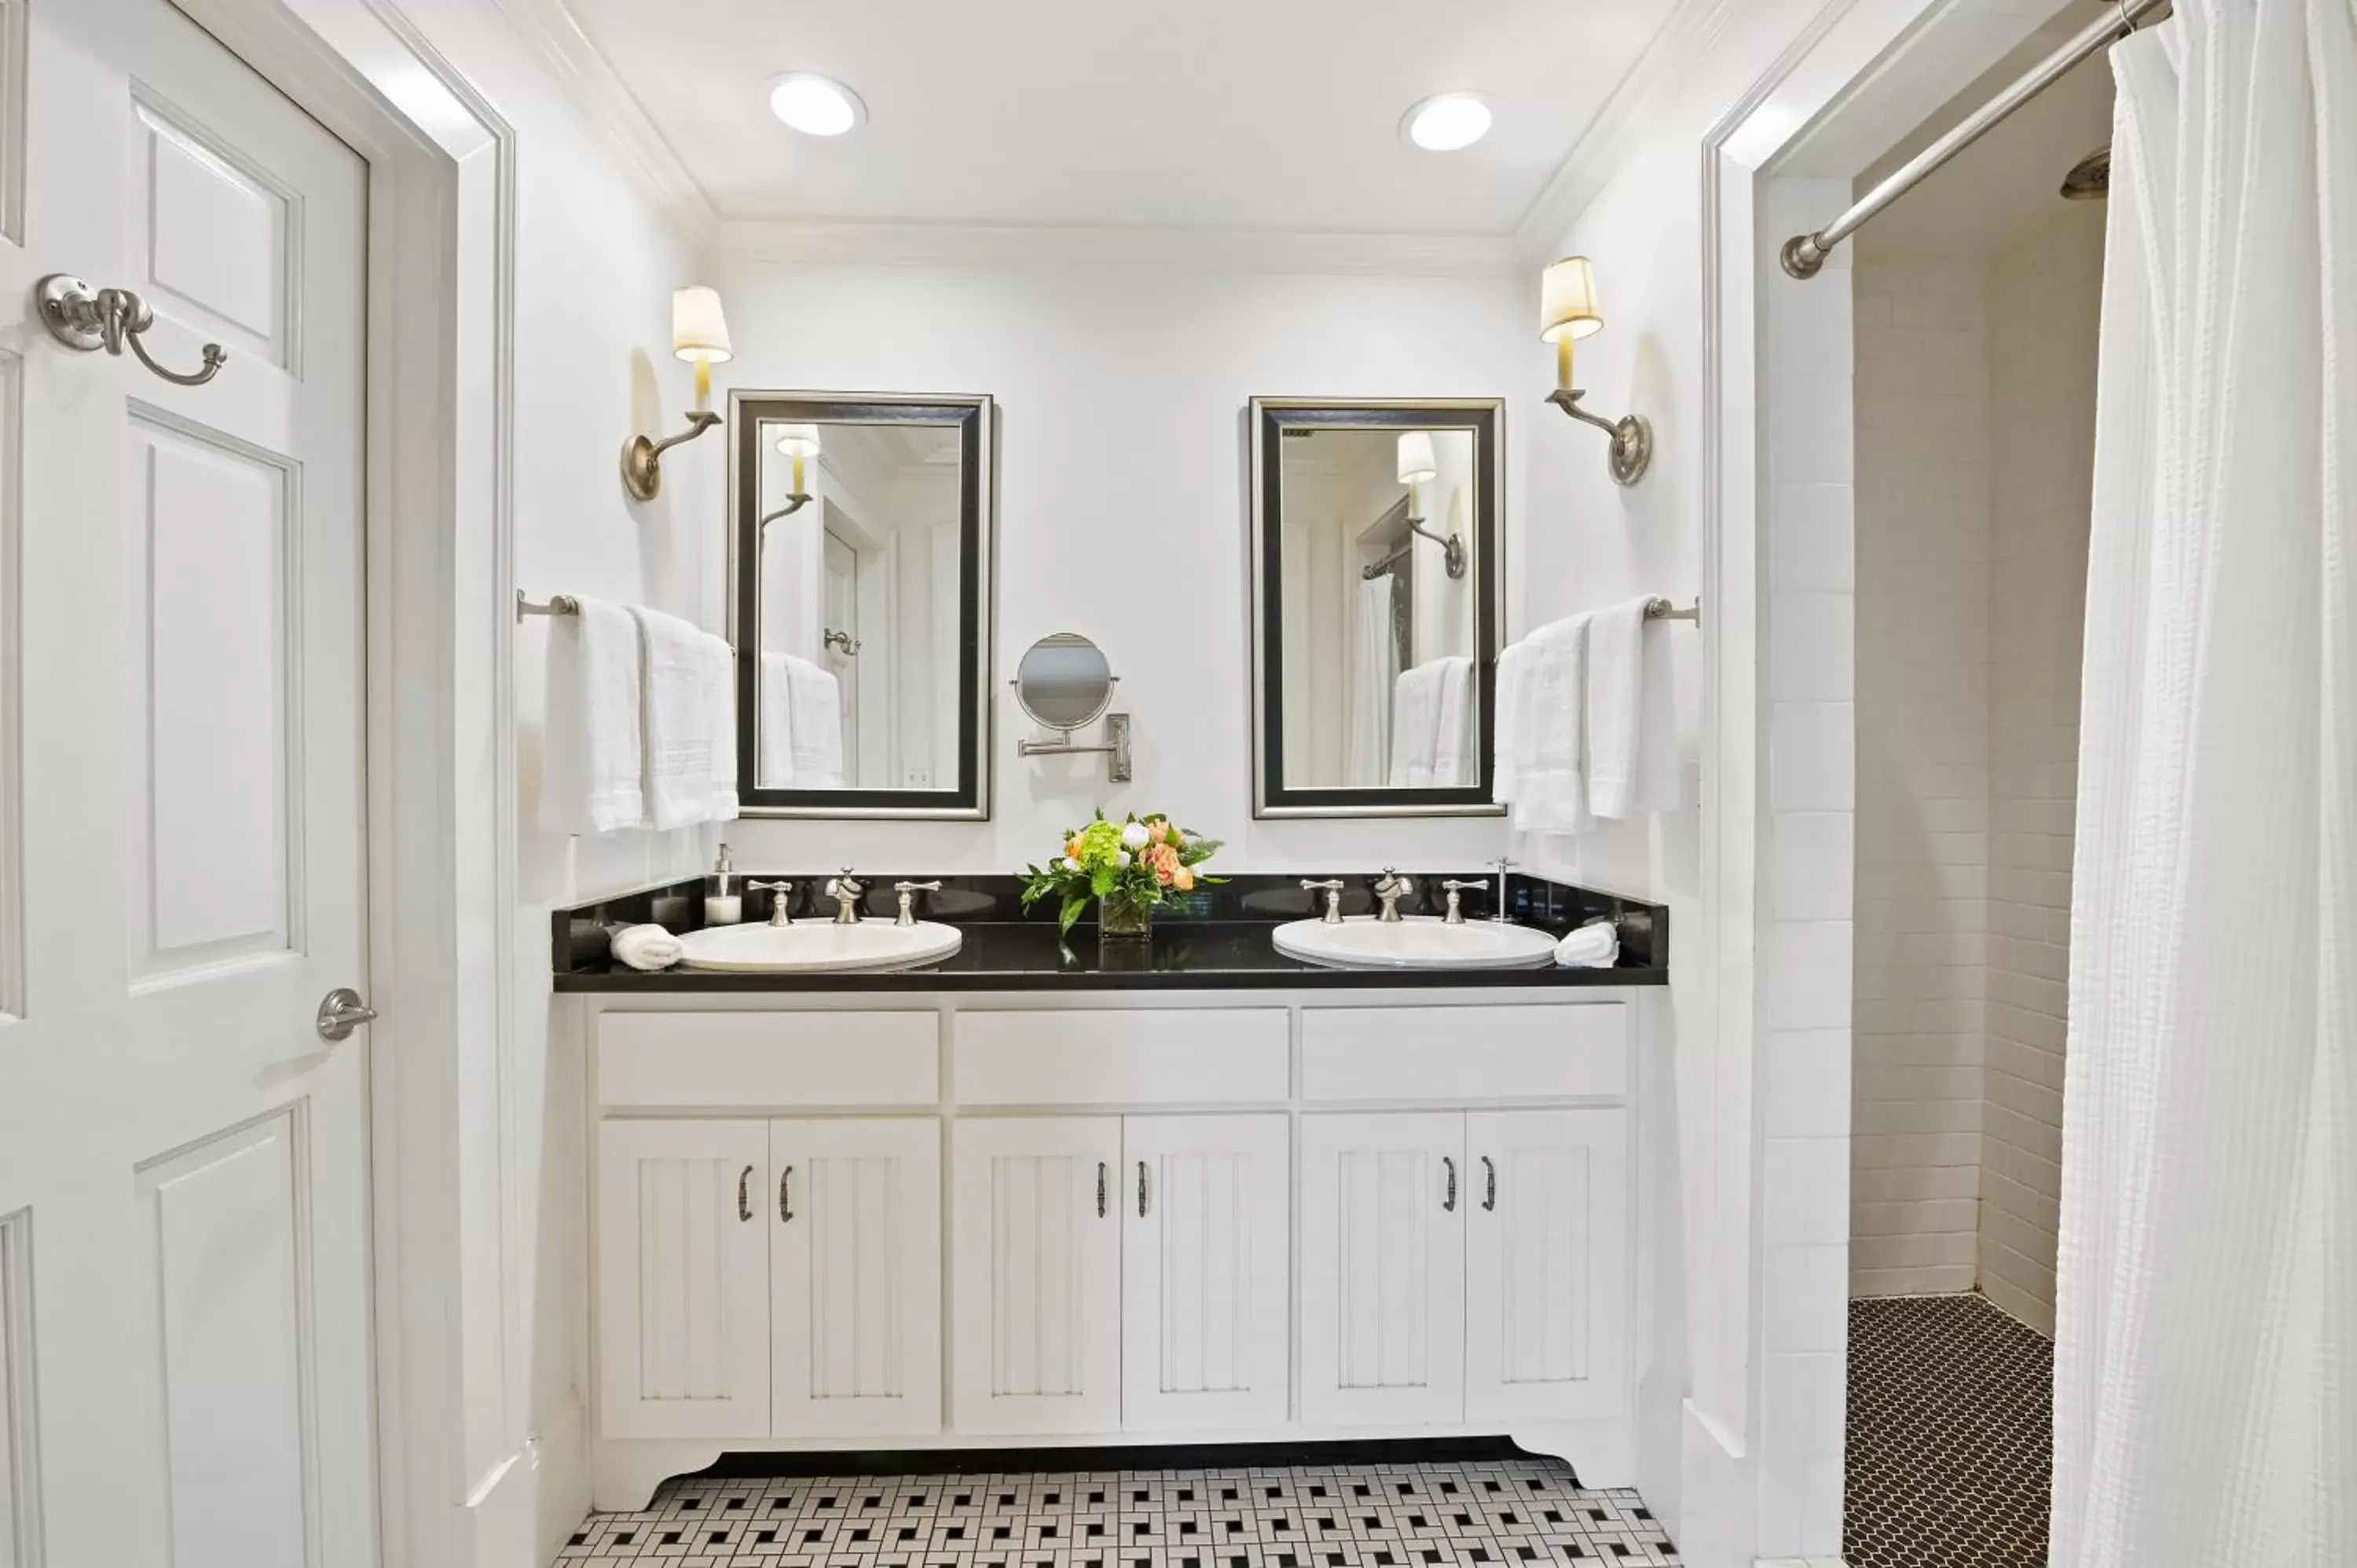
(1417, 941)
(808, 946)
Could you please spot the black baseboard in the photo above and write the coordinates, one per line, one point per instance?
(1157, 1456)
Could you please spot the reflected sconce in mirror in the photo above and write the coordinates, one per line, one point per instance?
(1566, 313)
(799, 442)
(699, 335)
(1416, 465)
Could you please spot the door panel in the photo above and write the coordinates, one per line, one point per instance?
(1038, 1298)
(188, 773)
(1546, 1264)
(856, 1267)
(1383, 1267)
(684, 1279)
(1206, 1305)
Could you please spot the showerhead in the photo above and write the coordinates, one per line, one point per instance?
(2090, 178)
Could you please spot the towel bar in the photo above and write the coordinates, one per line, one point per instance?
(558, 604)
(1662, 609)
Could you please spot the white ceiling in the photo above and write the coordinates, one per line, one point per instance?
(1276, 114)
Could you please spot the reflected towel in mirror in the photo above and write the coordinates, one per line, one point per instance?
(800, 737)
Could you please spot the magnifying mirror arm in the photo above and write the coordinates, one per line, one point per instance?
(1116, 747)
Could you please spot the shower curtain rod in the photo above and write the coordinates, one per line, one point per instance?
(1805, 253)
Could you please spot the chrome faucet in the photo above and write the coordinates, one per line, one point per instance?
(1332, 888)
(1498, 910)
(908, 892)
(1389, 889)
(782, 908)
(847, 891)
(1456, 917)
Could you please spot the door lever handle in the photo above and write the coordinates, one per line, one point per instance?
(341, 1011)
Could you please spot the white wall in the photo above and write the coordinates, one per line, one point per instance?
(2045, 296)
(1922, 849)
(1123, 506)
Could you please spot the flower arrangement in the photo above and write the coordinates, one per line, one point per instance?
(1128, 866)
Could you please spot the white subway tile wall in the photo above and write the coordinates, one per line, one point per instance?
(2045, 298)
(1920, 977)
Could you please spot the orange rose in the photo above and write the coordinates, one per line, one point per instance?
(1165, 861)
(1184, 879)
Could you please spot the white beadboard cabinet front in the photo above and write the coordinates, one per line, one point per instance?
(903, 1221)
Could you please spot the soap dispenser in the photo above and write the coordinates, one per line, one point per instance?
(723, 905)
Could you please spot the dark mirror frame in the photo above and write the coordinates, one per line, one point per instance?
(1270, 417)
(975, 419)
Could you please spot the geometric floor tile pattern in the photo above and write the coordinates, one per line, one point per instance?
(1950, 1442)
(1495, 1514)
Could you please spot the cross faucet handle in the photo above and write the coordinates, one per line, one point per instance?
(1453, 887)
(1332, 888)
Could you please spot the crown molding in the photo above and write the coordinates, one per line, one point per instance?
(602, 97)
(1685, 33)
(1115, 249)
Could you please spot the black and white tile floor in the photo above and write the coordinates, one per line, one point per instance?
(1500, 1514)
(1951, 1439)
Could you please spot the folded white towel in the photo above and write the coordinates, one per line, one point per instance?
(1596, 945)
(676, 719)
(721, 679)
(774, 734)
(816, 700)
(1456, 759)
(646, 947)
(1544, 779)
(1632, 715)
(590, 747)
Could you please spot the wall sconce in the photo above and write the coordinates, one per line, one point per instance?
(699, 334)
(800, 441)
(1417, 464)
(1567, 311)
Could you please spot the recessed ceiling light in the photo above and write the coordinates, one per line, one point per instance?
(1446, 123)
(815, 106)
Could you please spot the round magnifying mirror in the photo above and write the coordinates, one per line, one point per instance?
(1064, 681)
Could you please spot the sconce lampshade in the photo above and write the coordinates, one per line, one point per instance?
(798, 440)
(699, 333)
(1567, 301)
(1416, 463)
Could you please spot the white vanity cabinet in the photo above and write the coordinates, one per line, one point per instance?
(894, 1220)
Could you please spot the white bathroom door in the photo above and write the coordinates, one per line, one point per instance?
(183, 1157)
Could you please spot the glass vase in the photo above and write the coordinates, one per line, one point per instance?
(1121, 918)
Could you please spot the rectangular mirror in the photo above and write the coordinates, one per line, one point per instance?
(1376, 625)
(861, 575)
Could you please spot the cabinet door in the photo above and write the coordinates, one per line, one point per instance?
(683, 1278)
(1037, 1283)
(1546, 1249)
(856, 1264)
(1206, 1202)
(1382, 1268)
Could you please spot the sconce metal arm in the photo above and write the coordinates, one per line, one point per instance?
(795, 503)
(1632, 437)
(643, 458)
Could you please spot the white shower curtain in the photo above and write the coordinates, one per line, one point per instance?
(1374, 673)
(2206, 1341)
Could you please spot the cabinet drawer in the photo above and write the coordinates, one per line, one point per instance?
(1574, 1051)
(1120, 1056)
(679, 1059)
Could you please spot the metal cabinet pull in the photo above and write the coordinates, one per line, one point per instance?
(1448, 1202)
(1103, 1174)
(1141, 1189)
(785, 1195)
(745, 1194)
(87, 319)
(1489, 1183)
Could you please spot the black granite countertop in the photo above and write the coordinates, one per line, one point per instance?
(1221, 941)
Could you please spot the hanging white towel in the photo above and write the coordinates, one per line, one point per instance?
(591, 745)
(1540, 768)
(721, 679)
(1631, 716)
(676, 719)
(773, 736)
(1415, 726)
(1375, 676)
(1456, 759)
(815, 698)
